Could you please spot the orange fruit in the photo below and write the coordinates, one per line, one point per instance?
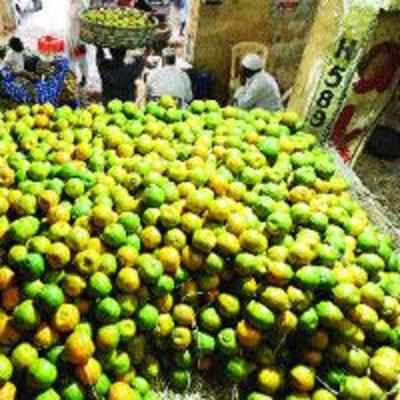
(8, 333)
(121, 391)
(6, 277)
(170, 259)
(79, 348)
(8, 391)
(248, 336)
(66, 318)
(41, 121)
(45, 336)
(89, 373)
(191, 259)
(10, 298)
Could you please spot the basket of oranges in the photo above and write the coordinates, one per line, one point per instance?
(117, 27)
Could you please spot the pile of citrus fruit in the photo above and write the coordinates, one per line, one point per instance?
(138, 242)
(118, 17)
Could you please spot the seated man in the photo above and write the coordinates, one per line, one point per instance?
(260, 89)
(3, 53)
(118, 78)
(169, 80)
(14, 59)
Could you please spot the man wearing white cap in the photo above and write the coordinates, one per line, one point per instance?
(169, 80)
(260, 89)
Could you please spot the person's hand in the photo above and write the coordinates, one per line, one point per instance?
(239, 91)
(147, 52)
(148, 63)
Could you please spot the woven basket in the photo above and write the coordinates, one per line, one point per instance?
(116, 37)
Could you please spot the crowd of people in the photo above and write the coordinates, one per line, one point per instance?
(119, 75)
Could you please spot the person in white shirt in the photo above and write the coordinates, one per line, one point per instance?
(78, 51)
(14, 59)
(260, 89)
(3, 52)
(169, 80)
(80, 63)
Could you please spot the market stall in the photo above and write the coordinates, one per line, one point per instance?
(151, 252)
(49, 78)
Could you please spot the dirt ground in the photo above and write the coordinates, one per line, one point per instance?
(382, 178)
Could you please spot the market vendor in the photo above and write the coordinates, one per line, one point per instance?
(41, 82)
(259, 88)
(14, 59)
(3, 52)
(169, 80)
(118, 78)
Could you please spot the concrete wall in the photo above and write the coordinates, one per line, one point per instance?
(349, 73)
(215, 29)
(322, 41)
(7, 19)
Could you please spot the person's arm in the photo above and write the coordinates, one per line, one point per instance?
(137, 67)
(260, 89)
(273, 95)
(247, 97)
(238, 94)
(9, 60)
(188, 88)
(150, 85)
(148, 91)
(84, 67)
(143, 6)
(100, 55)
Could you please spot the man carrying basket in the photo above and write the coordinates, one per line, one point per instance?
(118, 78)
